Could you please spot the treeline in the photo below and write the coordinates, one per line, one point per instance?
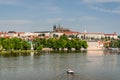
(113, 44)
(58, 44)
(10, 44)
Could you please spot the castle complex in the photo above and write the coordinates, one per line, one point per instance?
(57, 32)
(84, 35)
(95, 40)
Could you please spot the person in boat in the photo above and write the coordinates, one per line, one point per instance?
(70, 71)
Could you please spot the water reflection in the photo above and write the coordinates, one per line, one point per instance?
(96, 53)
(93, 65)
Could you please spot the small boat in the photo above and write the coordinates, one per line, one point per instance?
(70, 71)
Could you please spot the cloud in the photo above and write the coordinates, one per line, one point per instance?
(60, 20)
(52, 9)
(89, 18)
(54, 20)
(46, 6)
(108, 6)
(100, 1)
(14, 22)
(50, 6)
(70, 19)
(9, 2)
(116, 11)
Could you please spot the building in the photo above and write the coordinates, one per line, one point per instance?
(96, 36)
(60, 29)
(114, 35)
(43, 34)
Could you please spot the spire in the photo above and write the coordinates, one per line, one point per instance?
(85, 31)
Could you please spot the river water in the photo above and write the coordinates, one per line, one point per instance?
(93, 65)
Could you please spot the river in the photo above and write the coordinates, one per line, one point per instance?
(93, 65)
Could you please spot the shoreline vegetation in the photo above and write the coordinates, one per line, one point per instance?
(38, 44)
(18, 46)
(15, 53)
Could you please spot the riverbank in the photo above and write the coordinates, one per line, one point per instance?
(44, 50)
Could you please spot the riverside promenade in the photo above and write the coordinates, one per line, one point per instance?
(91, 46)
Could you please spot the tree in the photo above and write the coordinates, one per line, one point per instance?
(39, 43)
(25, 45)
(62, 43)
(6, 44)
(77, 44)
(69, 45)
(39, 48)
(84, 44)
(115, 44)
(10, 44)
(15, 43)
(51, 42)
(119, 36)
(64, 37)
(118, 43)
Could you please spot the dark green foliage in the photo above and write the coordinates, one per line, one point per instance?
(77, 44)
(63, 37)
(119, 36)
(118, 43)
(9, 44)
(69, 45)
(59, 44)
(115, 44)
(39, 48)
(25, 45)
(56, 44)
(84, 44)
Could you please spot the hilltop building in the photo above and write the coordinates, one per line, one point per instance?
(59, 31)
(95, 40)
(114, 35)
(43, 34)
(97, 35)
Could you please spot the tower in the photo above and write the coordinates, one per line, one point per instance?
(54, 28)
(84, 33)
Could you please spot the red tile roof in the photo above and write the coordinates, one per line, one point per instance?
(70, 32)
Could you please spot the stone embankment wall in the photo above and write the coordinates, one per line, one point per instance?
(95, 46)
(91, 46)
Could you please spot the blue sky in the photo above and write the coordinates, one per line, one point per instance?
(77, 15)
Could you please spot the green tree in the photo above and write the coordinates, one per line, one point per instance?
(118, 43)
(113, 44)
(25, 45)
(119, 36)
(39, 48)
(77, 44)
(37, 43)
(15, 43)
(69, 45)
(84, 44)
(6, 44)
(51, 42)
(62, 43)
(64, 37)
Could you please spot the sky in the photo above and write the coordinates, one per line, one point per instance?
(77, 15)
